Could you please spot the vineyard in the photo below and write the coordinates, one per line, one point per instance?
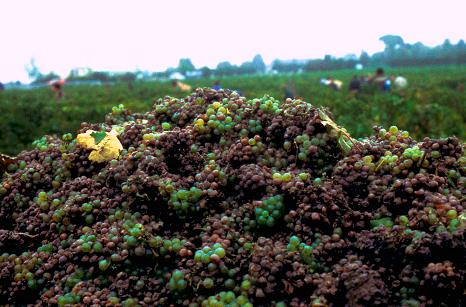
(432, 105)
(215, 199)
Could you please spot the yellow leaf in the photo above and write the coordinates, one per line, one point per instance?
(108, 149)
(86, 140)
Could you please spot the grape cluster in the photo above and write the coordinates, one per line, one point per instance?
(217, 200)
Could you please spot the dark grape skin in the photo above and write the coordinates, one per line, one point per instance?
(173, 220)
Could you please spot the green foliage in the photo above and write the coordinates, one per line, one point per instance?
(98, 136)
(433, 104)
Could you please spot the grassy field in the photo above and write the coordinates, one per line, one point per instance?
(433, 104)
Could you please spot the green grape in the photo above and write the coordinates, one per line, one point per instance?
(245, 285)
(220, 252)
(98, 247)
(86, 247)
(208, 283)
(294, 240)
(166, 126)
(393, 130)
(177, 275)
(86, 207)
(104, 264)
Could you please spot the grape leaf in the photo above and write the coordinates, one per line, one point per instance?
(98, 136)
(345, 142)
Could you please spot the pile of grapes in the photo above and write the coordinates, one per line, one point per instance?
(216, 200)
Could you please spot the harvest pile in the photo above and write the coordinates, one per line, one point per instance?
(216, 200)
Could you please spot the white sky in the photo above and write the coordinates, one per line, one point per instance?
(153, 35)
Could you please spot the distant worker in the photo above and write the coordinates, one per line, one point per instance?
(355, 85)
(400, 82)
(362, 80)
(57, 87)
(378, 79)
(217, 86)
(331, 83)
(334, 84)
(388, 83)
(180, 86)
(289, 88)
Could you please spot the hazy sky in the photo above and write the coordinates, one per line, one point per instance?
(153, 35)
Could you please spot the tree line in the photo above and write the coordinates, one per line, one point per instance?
(396, 53)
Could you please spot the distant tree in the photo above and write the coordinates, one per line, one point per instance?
(225, 68)
(364, 58)
(100, 75)
(447, 44)
(185, 65)
(258, 64)
(460, 52)
(32, 70)
(170, 70)
(46, 78)
(247, 68)
(206, 71)
(392, 42)
(287, 66)
(127, 77)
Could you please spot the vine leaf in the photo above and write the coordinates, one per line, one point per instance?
(98, 136)
(345, 142)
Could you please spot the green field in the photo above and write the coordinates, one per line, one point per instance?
(433, 104)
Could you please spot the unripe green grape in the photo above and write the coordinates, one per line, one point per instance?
(241, 300)
(86, 207)
(86, 247)
(208, 283)
(166, 126)
(131, 241)
(393, 129)
(177, 275)
(245, 285)
(43, 196)
(303, 176)
(89, 219)
(294, 240)
(44, 205)
(270, 221)
(302, 156)
(98, 247)
(220, 252)
(287, 177)
(452, 214)
(403, 219)
(229, 283)
(181, 284)
(104, 264)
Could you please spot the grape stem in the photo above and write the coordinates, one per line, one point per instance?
(24, 234)
(422, 160)
(382, 161)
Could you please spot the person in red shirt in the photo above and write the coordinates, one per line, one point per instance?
(57, 87)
